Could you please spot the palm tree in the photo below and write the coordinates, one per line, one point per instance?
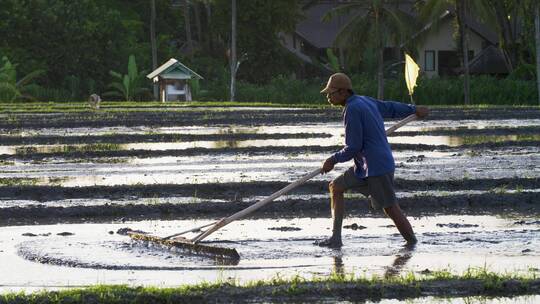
(537, 40)
(461, 11)
(153, 43)
(504, 15)
(188, 28)
(234, 64)
(431, 10)
(374, 22)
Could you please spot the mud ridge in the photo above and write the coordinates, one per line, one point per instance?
(165, 137)
(239, 190)
(361, 292)
(486, 203)
(257, 150)
(213, 117)
(133, 138)
(528, 130)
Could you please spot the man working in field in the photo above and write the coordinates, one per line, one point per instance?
(366, 143)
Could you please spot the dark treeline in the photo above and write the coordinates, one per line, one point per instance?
(63, 50)
(76, 43)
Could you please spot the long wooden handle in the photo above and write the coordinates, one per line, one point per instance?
(258, 205)
(190, 230)
(400, 123)
(279, 193)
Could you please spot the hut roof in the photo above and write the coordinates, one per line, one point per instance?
(173, 69)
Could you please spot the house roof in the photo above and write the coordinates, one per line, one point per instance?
(489, 61)
(323, 34)
(480, 29)
(174, 69)
(318, 33)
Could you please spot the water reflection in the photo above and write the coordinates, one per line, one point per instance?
(427, 125)
(404, 255)
(336, 139)
(339, 268)
(394, 270)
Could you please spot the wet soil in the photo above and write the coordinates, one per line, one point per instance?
(490, 203)
(175, 137)
(210, 116)
(74, 201)
(133, 138)
(238, 190)
(252, 151)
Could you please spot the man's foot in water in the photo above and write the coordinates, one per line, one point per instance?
(330, 243)
(411, 241)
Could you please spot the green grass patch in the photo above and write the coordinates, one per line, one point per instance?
(112, 106)
(29, 150)
(471, 140)
(6, 163)
(411, 284)
(18, 181)
(117, 106)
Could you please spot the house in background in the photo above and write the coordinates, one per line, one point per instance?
(438, 54)
(173, 79)
(313, 36)
(436, 51)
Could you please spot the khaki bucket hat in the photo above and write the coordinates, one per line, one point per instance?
(338, 81)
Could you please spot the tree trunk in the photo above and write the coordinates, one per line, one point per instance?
(461, 8)
(188, 28)
(537, 36)
(233, 49)
(153, 44)
(380, 58)
(508, 43)
(198, 22)
(209, 30)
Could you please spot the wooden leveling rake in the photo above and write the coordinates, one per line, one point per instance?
(194, 244)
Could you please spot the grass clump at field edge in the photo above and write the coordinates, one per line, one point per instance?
(475, 281)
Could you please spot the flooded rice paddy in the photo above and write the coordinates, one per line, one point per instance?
(468, 180)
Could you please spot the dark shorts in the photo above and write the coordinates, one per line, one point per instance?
(380, 189)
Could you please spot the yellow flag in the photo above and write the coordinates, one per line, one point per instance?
(411, 73)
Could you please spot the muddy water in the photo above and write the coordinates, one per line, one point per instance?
(275, 167)
(482, 164)
(92, 253)
(450, 141)
(430, 125)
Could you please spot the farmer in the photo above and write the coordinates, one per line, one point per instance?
(366, 143)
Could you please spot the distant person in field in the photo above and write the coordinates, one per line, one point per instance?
(366, 143)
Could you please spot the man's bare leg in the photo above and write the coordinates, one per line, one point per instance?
(401, 222)
(337, 204)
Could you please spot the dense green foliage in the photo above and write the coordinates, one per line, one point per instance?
(61, 50)
(12, 87)
(128, 86)
(78, 42)
(434, 91)
(259, 21)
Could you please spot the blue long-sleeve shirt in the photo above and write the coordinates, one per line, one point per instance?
(365, 137)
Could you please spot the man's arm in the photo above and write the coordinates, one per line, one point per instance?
(353, 142)
(393, 109)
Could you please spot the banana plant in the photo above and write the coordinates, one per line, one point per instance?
(12, 89)
(128, 86)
